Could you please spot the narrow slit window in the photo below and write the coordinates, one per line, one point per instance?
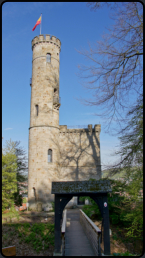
(55, 92)
(37, 109)
(49, 155)
(48, 58)
(33, 190)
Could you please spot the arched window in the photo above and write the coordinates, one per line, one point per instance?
(49, 155)
(48, 58)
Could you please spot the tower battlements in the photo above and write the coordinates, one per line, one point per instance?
(64, 129)
(48, 39)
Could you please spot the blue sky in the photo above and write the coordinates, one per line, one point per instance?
(75, 25)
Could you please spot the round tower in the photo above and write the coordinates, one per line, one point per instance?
(44, 120)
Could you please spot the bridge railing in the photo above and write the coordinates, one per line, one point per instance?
(63, 229)
(92, 231)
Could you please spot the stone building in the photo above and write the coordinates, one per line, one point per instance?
(56, 153)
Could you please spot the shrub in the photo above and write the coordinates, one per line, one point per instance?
(24, 200)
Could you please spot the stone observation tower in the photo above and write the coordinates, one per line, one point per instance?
(56, 153)
(44, 119)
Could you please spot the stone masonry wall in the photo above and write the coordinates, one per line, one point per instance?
(75, 152)
(79, 153)
(44, 126)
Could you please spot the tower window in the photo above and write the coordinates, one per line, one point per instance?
(48, 58)
(37, 109)
(49, 155)
(55, 92)
(34, 192)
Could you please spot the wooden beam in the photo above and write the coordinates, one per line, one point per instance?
(106, 226)
(57, 229)
(64, 222)
(74, 187)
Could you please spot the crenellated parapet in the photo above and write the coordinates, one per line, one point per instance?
(64, 129)
(46, 39)
(97, 128)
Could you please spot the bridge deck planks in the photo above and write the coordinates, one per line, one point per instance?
(76, 242)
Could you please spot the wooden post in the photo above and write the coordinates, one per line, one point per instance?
(57, 250)
(106, 226)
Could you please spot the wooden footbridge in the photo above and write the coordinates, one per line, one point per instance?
(75, 233)
(76, 241)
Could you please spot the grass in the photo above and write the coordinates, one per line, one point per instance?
(123, 254)
(115, 237)
(39, 235)
(9, 214)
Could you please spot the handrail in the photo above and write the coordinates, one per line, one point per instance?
(63, 227)
(93, 232)
(98, 230)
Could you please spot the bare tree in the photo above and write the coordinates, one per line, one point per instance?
(114, 67)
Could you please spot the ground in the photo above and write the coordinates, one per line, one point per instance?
(119, 243)
(10, 238)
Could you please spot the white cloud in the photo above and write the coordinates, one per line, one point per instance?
(8, 128)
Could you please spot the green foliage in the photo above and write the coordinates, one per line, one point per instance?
(127, 208)
(53, 206)
(18, 199)
(88, 210)
(135, 230)
(38, 228)
(114, 218)
(9, 182)
(131, 151)
(125, 205)
(50, 227)
(39, 235)
(20, 234)
(14, 213)
(24, 200)
(92, 208)
(13, 150)
(114, 237)
(26, 226)
(6, 236)
(123, 254)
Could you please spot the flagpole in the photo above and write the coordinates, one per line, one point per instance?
(40, 23)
